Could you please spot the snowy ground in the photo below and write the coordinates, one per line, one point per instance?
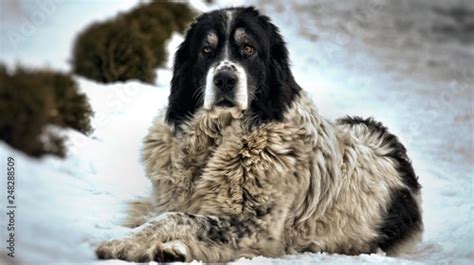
(391, 60)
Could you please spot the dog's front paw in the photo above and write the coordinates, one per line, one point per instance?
(172, 251)
(124, 250)
(140, 251)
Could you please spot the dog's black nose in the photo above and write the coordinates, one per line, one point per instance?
(225, 81)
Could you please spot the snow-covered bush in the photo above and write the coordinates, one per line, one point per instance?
(30, 100)
(131, 45)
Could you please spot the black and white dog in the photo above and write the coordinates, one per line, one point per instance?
(242, 164)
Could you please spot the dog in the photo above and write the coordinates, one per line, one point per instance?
(242, 164)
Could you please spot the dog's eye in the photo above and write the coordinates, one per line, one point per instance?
(207, 50)
(248, 50)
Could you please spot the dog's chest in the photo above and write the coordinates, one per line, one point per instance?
(246, 173)
(223, 181)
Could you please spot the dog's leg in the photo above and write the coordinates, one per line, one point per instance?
(187, 237)
(174, 160)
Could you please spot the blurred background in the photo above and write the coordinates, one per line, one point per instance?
(80, 82)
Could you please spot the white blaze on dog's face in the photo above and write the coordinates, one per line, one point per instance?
(226, 84)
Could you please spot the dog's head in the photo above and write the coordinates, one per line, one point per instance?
(236, 59)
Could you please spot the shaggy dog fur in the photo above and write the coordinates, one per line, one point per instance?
(263, 174)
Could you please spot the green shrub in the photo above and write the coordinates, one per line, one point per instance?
(113, 51)
(30, 100)
(132, 45)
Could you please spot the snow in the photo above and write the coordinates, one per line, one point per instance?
(365, 67)
(41, 33)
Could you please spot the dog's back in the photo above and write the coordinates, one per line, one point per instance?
(401, 223)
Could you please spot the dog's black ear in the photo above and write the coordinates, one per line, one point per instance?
(279, 90)
(180, 101)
